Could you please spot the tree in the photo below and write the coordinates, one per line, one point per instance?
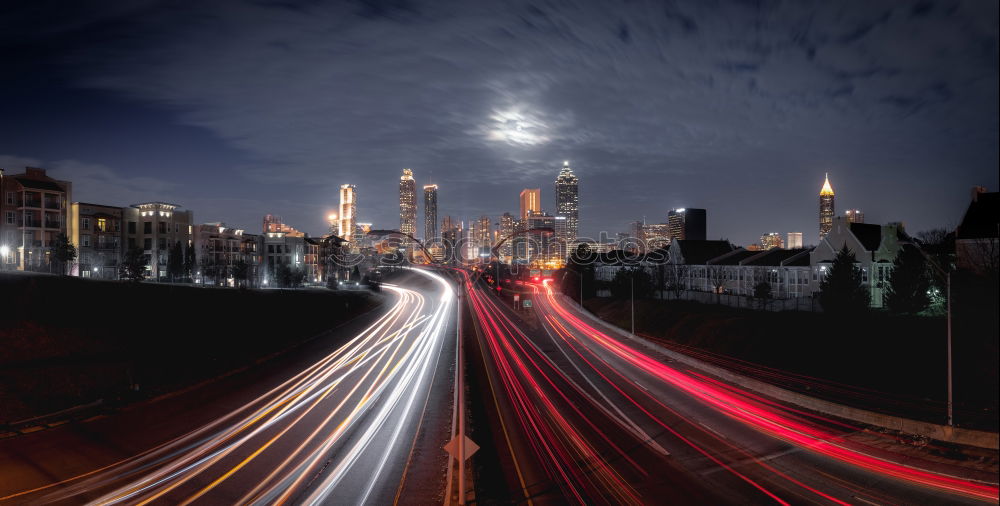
(675, 275)
(133, 266)
(717, 277)
(62, 252)
(241, 272)
(762, 292)
(842, 290)
(208, 268)
(632, 280)
(579, 269)
(909, 283)
(175, 262)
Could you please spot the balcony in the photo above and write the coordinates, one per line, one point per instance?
(31, 203)
(53, 224)
(52, 204)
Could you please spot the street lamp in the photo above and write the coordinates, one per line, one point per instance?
(632, 290)
(4, 251)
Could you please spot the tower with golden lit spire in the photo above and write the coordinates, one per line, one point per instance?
(825, 208)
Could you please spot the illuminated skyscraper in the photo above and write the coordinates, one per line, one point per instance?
(794, 240)
(771, 240)
(481, 236)
(506, 229)
(348, 212)
(687, 224)
(407, 203)
(855, 216)
(531, 202)
(567, 204)
(430, 213)
(825, 208)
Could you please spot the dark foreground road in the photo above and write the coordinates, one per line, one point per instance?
(332, 424)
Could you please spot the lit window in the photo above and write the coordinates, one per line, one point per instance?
(102, 224)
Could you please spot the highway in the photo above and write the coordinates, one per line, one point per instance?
(589, 415)
(341, 430)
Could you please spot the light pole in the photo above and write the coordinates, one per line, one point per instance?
(632, 280)
(951, 419)
(947, 277)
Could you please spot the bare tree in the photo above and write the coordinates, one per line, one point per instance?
(675, 275)
(717, 278)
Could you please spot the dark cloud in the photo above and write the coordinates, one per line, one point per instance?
(736, 107)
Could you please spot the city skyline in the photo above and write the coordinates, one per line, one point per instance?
(898, 97)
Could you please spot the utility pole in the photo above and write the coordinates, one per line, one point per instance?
(951, 419)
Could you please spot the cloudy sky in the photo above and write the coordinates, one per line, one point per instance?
(237, 109)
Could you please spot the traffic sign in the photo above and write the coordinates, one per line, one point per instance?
(527, 302)
(452, 447)
(517, 297)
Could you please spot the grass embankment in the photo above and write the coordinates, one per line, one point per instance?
(68, 341)
(888, 363)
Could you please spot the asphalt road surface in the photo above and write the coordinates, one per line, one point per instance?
(342, 427)
(586, 414)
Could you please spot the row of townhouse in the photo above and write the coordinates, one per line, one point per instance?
(36, 208)
(720, 267)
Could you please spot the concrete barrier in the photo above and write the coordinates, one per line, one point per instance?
(946, 433)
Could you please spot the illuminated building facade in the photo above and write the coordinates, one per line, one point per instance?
(430, 213)
(531, 202)
(854, 216)
(506, 230)
(451, 233)
(218, 249)
(687, 224)
(348, 212)
(542, 251)
(155, 227)
(771, 240)
(407, 203)
(96, 231)
(656, 235)
(794, 240)
(826, 208)
(33, 212)
(567, 205)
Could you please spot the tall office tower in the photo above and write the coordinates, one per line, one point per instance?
(825, 208)
(794, 240)
(771, 240)
(407, 203)
(567, 204)
(348, 212)
(506, 230)
(482, 232)
(687, 224)
(531, 202)
(450, 235)
(430, 213)
(855, 216)
(540, 249)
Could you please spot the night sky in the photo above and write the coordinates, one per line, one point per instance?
(237, 109)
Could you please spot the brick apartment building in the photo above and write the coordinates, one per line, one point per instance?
(34, 210)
